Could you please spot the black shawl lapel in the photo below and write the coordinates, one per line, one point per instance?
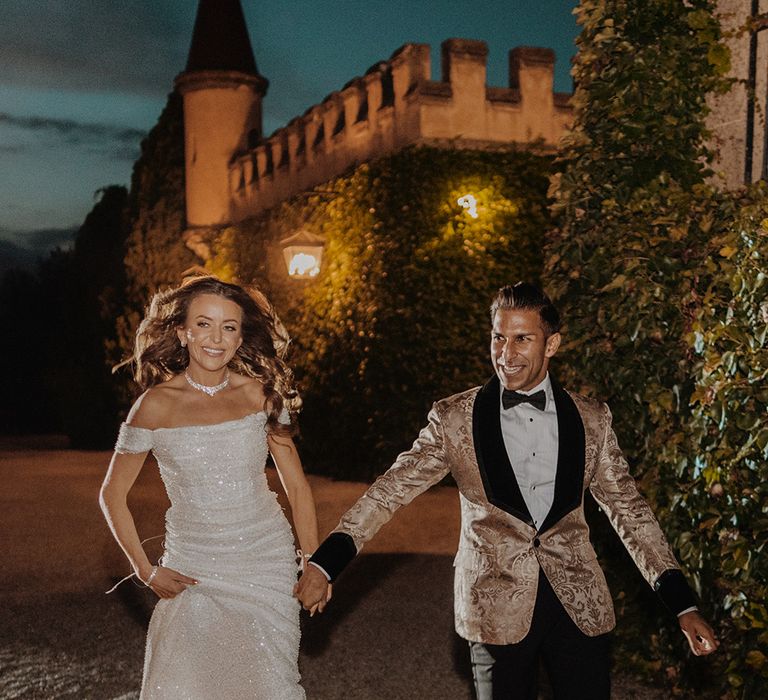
(501, 487)
(569, 480)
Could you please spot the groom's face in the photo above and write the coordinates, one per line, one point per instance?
(520, 348)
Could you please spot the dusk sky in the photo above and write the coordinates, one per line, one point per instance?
(81, 81)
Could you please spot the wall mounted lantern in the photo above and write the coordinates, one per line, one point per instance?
(469, 203)
(303, 253)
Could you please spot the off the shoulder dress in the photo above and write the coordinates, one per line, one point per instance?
(236, 633)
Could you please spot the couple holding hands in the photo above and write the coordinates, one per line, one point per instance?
(521, 449)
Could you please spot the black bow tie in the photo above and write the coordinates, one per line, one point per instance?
(512, 398)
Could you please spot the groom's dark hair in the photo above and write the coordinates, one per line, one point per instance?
(530, 297)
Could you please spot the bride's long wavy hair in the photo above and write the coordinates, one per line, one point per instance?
(158, 355)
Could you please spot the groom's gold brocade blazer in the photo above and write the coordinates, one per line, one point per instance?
(500, 551)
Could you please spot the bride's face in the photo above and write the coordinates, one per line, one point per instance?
(211, 331)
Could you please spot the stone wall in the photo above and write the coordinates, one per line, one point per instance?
(395, 104)
(729, 117)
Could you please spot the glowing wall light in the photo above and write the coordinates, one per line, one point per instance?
(469, 203)
(303, 254)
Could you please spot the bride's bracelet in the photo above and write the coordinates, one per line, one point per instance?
(151, 576)
(302, 559)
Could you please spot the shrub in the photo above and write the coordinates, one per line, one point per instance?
(646, 263)
(722, 501)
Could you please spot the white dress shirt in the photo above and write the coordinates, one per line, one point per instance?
(531, 439)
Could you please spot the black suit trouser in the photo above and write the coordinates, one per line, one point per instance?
(578, 666)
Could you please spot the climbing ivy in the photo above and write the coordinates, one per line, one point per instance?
(659, 277)
(155, 255)
(722, 502)
(398, 316)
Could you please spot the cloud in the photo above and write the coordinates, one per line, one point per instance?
(10, 148)
(30, 244)
(129, 154)
(73, 132)
(22, 250)
(119, 143)
(46, 239)
(94, 45)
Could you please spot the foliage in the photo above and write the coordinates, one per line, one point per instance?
(89, 294)
(25, 405)
(66, 311)
(155, 253)
(398, 316)
(635, 212)
(91, 298)
(646, 264)
(724, 475)
(642, 74)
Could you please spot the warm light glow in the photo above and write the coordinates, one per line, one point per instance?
(469, 203)
(303, 265)
(303, 254)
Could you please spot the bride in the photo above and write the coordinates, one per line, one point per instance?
(216, 401)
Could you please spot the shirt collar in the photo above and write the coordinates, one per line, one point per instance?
(545, 385)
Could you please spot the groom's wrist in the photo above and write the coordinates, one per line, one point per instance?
(333, 555)
(675, 592)
(321, 569)
(693, 608)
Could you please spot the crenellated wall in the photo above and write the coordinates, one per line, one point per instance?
(396, 103)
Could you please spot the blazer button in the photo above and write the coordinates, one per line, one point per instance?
(536, 541)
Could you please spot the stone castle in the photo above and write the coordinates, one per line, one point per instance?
(233, 173)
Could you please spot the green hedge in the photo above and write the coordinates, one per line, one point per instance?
(661, 280)
(722, 502)
(398, 316)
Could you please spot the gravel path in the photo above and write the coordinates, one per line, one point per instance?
(387, 634)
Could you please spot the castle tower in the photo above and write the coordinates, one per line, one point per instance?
(222, 92)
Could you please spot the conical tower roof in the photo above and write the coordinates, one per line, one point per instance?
(220, 40)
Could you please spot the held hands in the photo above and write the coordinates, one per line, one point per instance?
(701, 637)
(165, 582)
(313, 590)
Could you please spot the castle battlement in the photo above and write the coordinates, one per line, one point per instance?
(396, 104)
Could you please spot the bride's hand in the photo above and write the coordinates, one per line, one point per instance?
(312, 590)
(319, 607)
(168, 583)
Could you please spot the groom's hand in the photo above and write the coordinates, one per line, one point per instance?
(701, 638)
(312, 589)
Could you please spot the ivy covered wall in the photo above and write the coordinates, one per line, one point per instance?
(720, 505)
(155, 254)
(398, 316)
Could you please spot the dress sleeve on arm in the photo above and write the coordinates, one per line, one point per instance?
(284, 417)
(133, 440)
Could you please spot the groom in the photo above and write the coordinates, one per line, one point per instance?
(522, 451)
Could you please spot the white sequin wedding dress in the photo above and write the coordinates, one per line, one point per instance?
(236, 633)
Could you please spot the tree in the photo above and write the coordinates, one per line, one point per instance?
(83, 290)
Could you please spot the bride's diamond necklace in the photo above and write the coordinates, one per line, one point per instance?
(210, 390)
